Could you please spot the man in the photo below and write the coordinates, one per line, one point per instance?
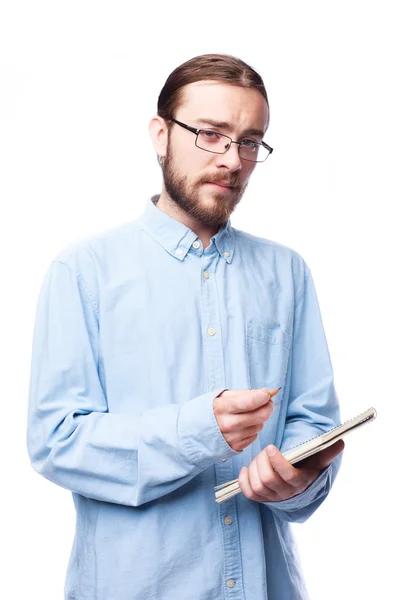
(156, 347)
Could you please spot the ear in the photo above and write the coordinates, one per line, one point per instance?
(158, 131)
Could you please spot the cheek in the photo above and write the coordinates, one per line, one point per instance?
(194, 163)
(248, 168)
(246, 172)
(202, 167)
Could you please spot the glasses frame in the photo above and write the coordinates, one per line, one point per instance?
(231, 141)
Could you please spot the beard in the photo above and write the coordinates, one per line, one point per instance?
(186, 195)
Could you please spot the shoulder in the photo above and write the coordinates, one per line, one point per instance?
(93, 259)
(280, 258)
(97, 248)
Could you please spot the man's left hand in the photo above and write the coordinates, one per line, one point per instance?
(271, 478)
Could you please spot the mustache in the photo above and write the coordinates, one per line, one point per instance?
(222, 181)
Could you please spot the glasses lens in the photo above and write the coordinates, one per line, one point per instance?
(212, 141)
(253, 151)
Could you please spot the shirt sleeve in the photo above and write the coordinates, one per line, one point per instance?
(313, 406)
(72, 438)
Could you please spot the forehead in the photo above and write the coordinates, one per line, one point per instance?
(243, 107)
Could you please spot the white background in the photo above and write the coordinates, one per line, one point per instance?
(79, 83)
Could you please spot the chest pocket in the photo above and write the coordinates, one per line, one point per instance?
(267, 353)
(267, 356)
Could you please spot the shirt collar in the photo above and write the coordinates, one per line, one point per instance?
(177, 238)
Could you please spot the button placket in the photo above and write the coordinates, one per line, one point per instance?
(215, 377)
(215, 374)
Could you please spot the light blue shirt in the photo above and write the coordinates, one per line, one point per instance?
(137, 331)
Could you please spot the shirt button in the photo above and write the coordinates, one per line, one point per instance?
(228, 520)
(226, 254)
(211, 331)
(196, 245)
(230, 583)
(179, 251)
(206, 275)
(223, 459)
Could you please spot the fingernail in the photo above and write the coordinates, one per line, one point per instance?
(271, 450)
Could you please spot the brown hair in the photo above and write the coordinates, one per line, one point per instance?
(223, 68)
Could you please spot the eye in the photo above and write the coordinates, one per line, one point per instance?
(250, 144)
(210, 136)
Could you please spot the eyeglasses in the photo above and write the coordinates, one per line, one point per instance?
(218, 143)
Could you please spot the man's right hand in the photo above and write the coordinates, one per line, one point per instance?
(241, 415)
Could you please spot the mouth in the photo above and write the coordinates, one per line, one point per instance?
(221, 186)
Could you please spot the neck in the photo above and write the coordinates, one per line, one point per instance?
(203, 232)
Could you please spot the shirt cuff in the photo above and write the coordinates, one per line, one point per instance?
(199, 433)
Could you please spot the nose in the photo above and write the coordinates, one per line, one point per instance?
(230, 159)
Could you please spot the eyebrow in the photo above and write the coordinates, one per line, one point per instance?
(228, 126)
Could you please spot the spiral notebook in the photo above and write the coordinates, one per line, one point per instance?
(294, 455)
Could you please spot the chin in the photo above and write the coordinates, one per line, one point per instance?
(211, 197)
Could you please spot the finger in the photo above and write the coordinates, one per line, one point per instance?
(231, 423)
(243, 443)
(270, 478)
(262, 490)
(290, 474)
(249, 401)
(245, 486)
(255, 418)
(254, 429)
(236, 427)
(260, 415)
